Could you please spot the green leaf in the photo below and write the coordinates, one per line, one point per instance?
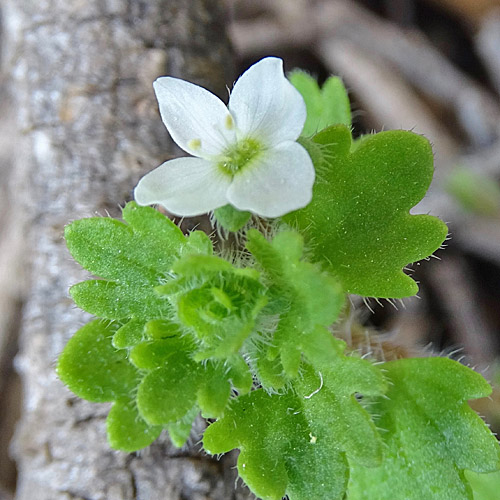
(179, 431)
(430, 432)
(111, 300)
(127, 431)
(239, 373)
(306, 298)
(214, 391)
(279, 454)
(153, 354)
(135, 257)
(167, 393)
(173, 381)
(358, 222)
(129, 335)
(216, 302)
(230, 218)
(162, 329)
(328, 389)
(140, 250)
(298, 442)
(93, 369)
(325, 107)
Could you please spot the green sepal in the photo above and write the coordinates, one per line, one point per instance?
(230, 218)
(327, 106)
(126, 429)
(198, 243)
(358, 222)
(431, 435)
(92, 368)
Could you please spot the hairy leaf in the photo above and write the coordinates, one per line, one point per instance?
(358, 222)
(278, 453)
(306, 298)
(216, 302)
(127, 430)
(298, 443)
(130, 334)
(92, 368)
(430, 432)
(132, 257)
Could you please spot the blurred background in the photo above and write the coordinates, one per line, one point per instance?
(431, 66)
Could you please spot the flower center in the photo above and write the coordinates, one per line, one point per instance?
(239, 155)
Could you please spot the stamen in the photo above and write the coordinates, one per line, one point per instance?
(195, 144)
(229, 122)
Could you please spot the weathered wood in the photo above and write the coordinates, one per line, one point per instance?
(82, 74)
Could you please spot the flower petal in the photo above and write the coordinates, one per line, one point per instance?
(265, 105)
(198, 121)
(279, 182)
(184, 186)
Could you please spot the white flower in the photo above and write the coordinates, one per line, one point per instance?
(245, 154)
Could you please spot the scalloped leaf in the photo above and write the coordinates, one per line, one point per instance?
(358, 222)
(133, 257)
(93, 369)
(328, 387)
(173, 382)
(298, 443)
(127, 430)
(430, 432)
(167, 393)
(278, 453)
(327, 106)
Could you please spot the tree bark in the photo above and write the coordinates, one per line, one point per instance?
(81, 77)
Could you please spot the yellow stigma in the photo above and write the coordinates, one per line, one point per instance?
(229, 122)
(195, 144)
